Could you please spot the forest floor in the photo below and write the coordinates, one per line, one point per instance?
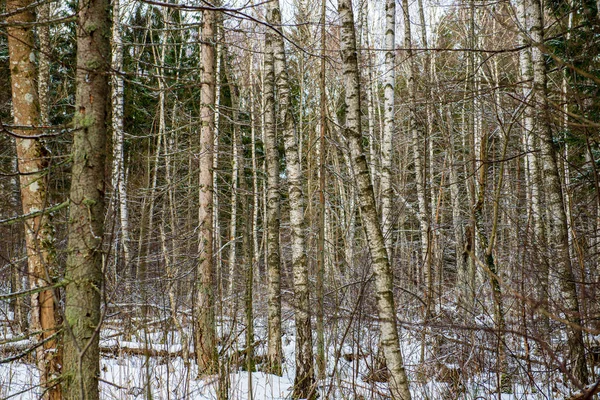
(150, 365)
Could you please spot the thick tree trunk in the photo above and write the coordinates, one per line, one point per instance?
(205, 335)
(383, 274)
(558, 235)
(32, 164)
(274, 351)
(304, 380)
(84, 261)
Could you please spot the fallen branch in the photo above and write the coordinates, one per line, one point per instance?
(139, 351)
(587, 392)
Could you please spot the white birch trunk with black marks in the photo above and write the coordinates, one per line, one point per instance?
(398, 382)
(418, 153)
(274, 349)
(304, 379)
(558, 234)
(118, 168)
(389, 79)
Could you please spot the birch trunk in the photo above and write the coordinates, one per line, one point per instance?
(32, 163)
(118, 167)
(205, 335)
(558, 234)
(304, 380)
(429, 158)
(234, 184)
(84, 277)
(533, 177)
(274, 351)
(43, 32)
(389, 78)
(217, 238)
(255, 195)
(398, 382)
(457, 214)
(321, 360)
(468, 279)
(418, 155)
(487, 244)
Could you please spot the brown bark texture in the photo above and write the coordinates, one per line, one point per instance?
(84, 276)
(205, 333)
(33, 169)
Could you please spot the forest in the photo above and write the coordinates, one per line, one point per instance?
(300, 199)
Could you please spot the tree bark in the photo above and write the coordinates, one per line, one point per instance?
(235, 168)
(32, 162)
(398, 382)
(418, 155)
(321, 360)
(84, 278)
(533, 177)
(304, 380)
(389, 124)
(43, 32)
(205, 335)
(274, 352)
(558, 235)
(118, 167)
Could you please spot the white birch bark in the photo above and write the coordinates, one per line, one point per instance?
(398, 382)
(118, 168)
(418, 154)
(558, 234)
(234, 191)
(218, 242)
(43, 31)
(321, 357)
(274, 349)
(533, 176)
(255, 195)
(387, 147)
(304, 379)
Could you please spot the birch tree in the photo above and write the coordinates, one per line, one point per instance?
(558, 234)
(398, 381)
(418, 155)
(118, 167)
(321, 360)
(304, 380)
(43, 33)
(533, 177)
(389, 124)
(274, 351)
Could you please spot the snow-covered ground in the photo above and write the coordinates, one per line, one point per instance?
(127, 376)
